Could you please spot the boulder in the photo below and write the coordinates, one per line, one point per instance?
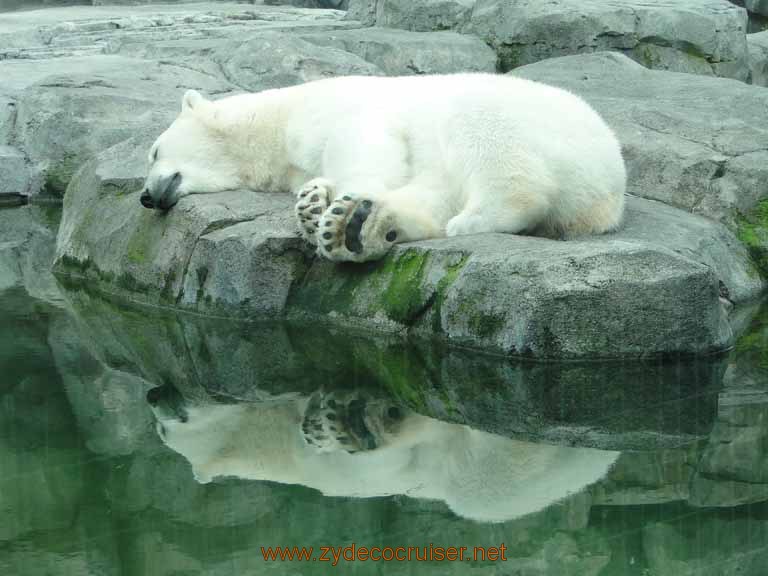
(14, 176)
(703, 155)
(757, 6)
(696, 36)
(332, 4)
(268, 60)
(707, 544)
(78, 80)
(399, 52)
(206, 358)
(733, 469)
(758, 58)
(419, 15)
(27, 243)
(655, 285)
(72, 108)
(702, 37)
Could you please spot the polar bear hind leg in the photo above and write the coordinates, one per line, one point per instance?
(513, 204)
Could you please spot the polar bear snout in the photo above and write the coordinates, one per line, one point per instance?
(161, 192)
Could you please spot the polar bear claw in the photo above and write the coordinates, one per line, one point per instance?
(313, 200)
(329, 422)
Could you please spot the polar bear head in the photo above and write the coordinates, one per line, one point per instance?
(193, 155)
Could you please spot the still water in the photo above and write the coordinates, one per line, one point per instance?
(134, 441)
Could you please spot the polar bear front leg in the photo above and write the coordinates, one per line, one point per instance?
(313, 199)
(359, 229)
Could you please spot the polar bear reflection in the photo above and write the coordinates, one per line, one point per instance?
(348, 446)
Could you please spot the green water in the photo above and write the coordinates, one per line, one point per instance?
(576, 469)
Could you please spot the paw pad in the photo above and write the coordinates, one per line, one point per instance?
(314, 198)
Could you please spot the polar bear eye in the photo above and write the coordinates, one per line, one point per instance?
(154, 154)
(391, 236)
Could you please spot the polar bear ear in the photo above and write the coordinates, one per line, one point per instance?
(191, 100)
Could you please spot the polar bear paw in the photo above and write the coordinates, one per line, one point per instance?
(355, 230)
(313, 200)
(331, 424)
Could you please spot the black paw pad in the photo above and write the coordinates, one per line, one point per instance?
(355, 225)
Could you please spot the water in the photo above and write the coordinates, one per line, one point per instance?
(134, 441)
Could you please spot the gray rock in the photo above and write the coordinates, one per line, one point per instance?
(713, 545)
(332, 4)
(81, 30)
(68, 92)
(206, 357)
(399, 52)
(757, 6)
(150, 253)
(27, 244)
(648, 478)
(657, 283)
(758, 58)
(108, 404)
(419, 15)
(704, 155)
(274, 60)
(14, 178)
(733, 469)
(93, 103)
(702, 37)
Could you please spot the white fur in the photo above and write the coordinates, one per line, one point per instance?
(478, 475)
(440, 155)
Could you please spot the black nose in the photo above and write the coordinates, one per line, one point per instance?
(146, 200)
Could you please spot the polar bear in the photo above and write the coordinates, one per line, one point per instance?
(347, 444)
(380, 160)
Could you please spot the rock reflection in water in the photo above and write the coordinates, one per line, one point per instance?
(349, 445)
(88, 487)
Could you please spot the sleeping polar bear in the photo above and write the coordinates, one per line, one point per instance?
(344, 444)
(376, 161)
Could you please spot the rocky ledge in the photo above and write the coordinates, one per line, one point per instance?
(87, 89)
(662, 285)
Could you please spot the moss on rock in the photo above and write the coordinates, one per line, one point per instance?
(752, 230)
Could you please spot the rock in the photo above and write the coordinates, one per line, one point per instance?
(707, 156)
(42, 482)
(67, 92)
(701, 36)
(733, 469)
(109, 404)
(711, 545)
(91, 104)
(418, 15)
(694, 36)
(332, 4)
(658, 281)
(648, 478)
(757, 6)
(82, 31)
(208, 357)
(165, 258)
(398, 52)
(14, 178)
(758, 58)
(269, 60)
(27, 244)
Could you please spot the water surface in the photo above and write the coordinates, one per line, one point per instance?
(135, 441)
